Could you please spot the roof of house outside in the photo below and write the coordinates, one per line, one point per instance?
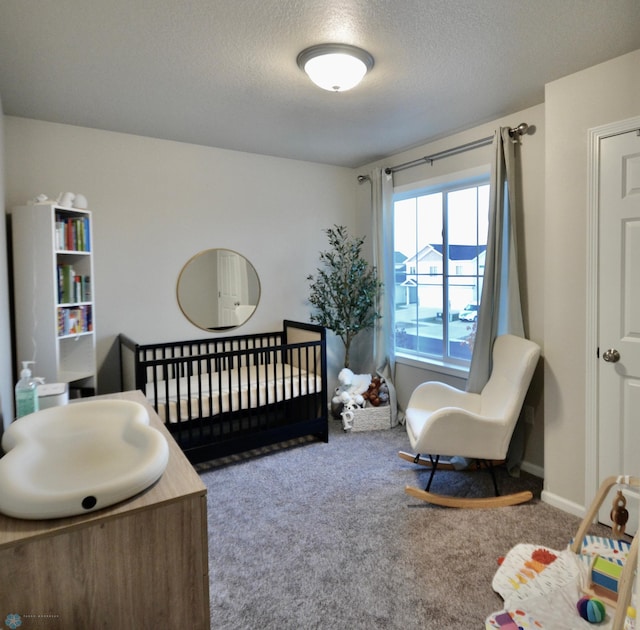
(456, 252)
(462, 252)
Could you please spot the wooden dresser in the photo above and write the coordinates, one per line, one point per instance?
(142, 563)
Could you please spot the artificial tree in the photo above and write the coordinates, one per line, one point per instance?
(344, 292)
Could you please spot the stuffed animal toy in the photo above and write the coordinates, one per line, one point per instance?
(378, 392)
(356, 391)
(351, 387)
(349, 394)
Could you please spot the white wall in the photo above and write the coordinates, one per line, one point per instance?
(156, 203)
(531, 229)
(603, 94)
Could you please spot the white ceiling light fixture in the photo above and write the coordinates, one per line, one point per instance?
(335, 67)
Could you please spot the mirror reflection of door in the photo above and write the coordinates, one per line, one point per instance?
(218, 289)
(232, 283)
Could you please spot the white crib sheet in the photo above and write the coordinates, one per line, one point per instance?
(231, 390)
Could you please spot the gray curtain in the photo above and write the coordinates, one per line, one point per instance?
(500, 306)
(383, 260)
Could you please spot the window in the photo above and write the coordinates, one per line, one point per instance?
(440, 235)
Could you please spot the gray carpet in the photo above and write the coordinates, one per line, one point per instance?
(322, 536)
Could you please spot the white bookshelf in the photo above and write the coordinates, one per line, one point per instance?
(53, 287)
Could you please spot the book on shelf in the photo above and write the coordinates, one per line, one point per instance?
(60, 234)
(74, 320)
(72, 287)
(65, 283)
(72, 233)
(86, 289)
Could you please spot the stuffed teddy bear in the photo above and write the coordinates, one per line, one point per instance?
(377, 393)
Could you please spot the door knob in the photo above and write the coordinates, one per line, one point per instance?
(611, 355)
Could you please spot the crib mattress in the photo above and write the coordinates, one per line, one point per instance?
(209, 394)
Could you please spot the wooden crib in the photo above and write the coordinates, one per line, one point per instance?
(226, 395)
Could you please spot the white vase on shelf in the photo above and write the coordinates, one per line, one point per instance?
(66, 199)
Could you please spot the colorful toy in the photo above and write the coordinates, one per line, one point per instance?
(543, 556)
(506, 622)
(591, 609)
(605, 577)
(593, 579)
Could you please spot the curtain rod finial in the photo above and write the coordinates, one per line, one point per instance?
(520, 130)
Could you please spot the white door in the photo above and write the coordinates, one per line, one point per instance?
(619, 313)
(228, 286)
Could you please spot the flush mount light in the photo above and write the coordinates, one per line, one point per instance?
(335, 67)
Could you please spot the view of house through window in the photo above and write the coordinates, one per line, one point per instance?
(440, 245)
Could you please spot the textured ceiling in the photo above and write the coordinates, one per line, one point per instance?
(223, 73)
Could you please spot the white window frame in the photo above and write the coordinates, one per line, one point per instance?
(476, 176)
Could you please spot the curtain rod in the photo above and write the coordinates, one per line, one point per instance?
(520, 130)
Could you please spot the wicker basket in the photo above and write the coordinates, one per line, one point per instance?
(371, 418)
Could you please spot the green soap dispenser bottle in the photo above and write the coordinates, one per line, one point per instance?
(26, 392)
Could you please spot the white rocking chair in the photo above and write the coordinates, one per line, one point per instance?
(444, 421)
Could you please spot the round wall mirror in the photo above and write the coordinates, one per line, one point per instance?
(218, 289)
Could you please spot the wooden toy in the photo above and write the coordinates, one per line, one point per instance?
(605, 578)
(619, 514)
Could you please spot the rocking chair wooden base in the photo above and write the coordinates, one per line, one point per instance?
(462, 502)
